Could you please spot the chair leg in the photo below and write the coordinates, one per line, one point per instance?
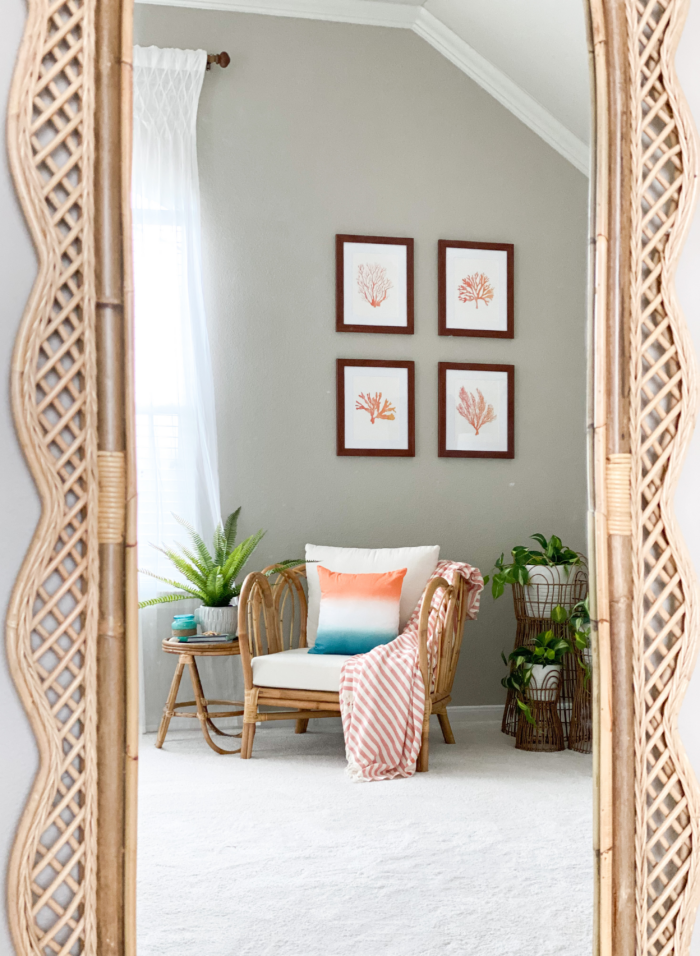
(301, 726)
(446, 728)
(169, 708)
(247, 742)
(422, 762)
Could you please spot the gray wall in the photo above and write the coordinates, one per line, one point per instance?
(318, 128)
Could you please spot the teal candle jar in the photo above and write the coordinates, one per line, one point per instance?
(184, 625)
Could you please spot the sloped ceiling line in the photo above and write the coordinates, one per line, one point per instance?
(415, 17)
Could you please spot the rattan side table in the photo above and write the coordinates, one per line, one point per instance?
(186, 658)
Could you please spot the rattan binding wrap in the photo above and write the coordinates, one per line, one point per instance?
(663, 407)
(618, 480)
(111, 468)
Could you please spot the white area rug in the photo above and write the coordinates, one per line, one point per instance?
(488, 854)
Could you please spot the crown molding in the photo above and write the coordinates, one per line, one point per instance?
(440, 37)
(364, 12)
(502, 88)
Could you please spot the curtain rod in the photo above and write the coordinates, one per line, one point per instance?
(221, 59)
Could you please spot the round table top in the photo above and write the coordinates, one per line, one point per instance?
(218, 649)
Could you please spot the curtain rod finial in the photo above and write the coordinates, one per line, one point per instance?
(221, 59)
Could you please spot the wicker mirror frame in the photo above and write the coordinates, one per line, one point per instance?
(72, 628)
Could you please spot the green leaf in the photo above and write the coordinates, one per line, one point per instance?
(191, 573)
(193, 559)
(559, 614)
(175, 584)
(239, 556)
(219, 545)
(540, 539)
(199, 544)
(230, 530)
(165, 599)
(285, 565)
(526, 711)
(521, 575)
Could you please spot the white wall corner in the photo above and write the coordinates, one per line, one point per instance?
(503, 89)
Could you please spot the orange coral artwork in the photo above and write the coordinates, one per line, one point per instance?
(373, 282)
(474, 409)
(373, 405)
(475, 288)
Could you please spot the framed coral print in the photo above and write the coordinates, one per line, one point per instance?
(475, 410)
(475, 289)
(374, 284)
(375, 408)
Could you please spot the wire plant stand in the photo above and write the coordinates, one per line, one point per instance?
(533, 605)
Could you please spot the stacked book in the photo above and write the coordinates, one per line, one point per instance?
(207, 639)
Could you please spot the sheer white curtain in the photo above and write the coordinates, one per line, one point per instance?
(175, 424)
(175, 421)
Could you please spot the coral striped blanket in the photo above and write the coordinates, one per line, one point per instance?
(382, 695)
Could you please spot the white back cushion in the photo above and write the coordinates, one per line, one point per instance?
(419, 562)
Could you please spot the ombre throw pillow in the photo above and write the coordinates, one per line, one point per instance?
(358, 611)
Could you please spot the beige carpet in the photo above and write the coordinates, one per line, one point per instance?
(488, 854)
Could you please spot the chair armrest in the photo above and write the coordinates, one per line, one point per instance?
(291, 605)
(257, 622)
(438, 663)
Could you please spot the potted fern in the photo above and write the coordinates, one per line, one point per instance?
(211, 576)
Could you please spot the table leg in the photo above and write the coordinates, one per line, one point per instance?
(202, 711)
(169, 708)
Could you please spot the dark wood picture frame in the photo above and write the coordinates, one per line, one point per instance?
(340, 324)
(509, 249)
(443, 368)
(410, 452)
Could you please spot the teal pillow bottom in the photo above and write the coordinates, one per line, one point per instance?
(349, 642)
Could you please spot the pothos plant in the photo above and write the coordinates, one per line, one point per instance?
(549, 649)
(211, 577)
(515, 572)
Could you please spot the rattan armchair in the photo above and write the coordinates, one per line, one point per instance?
(272, 619)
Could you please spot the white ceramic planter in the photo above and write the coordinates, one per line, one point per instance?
(544, 683)
(220, 620)
(544, 591)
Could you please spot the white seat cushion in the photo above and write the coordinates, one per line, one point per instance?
(299, 670)
(419, 562)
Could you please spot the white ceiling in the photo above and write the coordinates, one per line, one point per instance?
(531, 55)
(539, 44)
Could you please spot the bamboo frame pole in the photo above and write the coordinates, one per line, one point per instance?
(112, 444)
(132, 618)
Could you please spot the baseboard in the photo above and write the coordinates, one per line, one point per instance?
(479, 712)
(475, 712)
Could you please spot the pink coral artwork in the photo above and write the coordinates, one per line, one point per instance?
(373, 283)
(475, 410)
(373, 405)
(476, 288)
